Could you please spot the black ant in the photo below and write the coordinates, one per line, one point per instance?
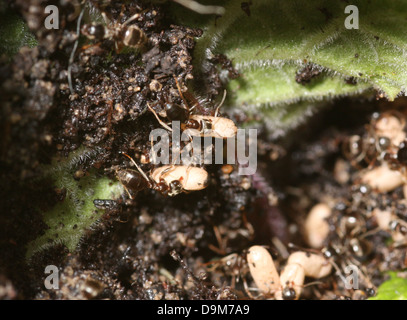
(123, 34)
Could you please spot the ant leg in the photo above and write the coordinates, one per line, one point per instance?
(221, 103)
(133, 17)
(128, 192)
(88, 46)
(105, 18)
(75, 46)
(201, 9)
(159, 120)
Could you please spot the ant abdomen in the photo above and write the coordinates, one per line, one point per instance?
(132, 180)
(176, 113)
(134, 37)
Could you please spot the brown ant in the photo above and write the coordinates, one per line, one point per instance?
(123, 34)
(197, 125)
(168, 180)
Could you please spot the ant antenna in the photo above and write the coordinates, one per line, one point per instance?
(105, 18)
(138, 168)
(338, 271)
(159, 120)
(180, 93)
(221, 103)
(75, 46)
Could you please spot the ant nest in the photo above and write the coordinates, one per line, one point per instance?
(344, 235)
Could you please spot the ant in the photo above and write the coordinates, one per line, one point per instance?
(122, 34)
(197, 125)
(384, 141)
(169, 180)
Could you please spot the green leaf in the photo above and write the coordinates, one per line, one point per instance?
(68, 220)
(279, 38)
(393, 289)
(14, 33)
(290, 32)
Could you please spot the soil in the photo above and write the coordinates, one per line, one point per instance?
(191, 246)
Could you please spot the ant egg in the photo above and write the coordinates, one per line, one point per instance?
(383, 178)
(263, 270)
(316, 225)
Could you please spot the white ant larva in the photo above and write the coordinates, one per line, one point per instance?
(316, 225)
(289, 284)
(389, 222)
(169, 179)
(211, 126)
(382, 178)
(181, 178)
(300, 265)
(263, 270)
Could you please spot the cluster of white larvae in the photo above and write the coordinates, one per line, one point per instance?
(289, 284)
(387, 135)
(391, 173)
(389, 126)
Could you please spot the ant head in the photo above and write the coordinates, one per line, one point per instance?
(289, 293)
(175, 187)
(193, 124)
(162, 187)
